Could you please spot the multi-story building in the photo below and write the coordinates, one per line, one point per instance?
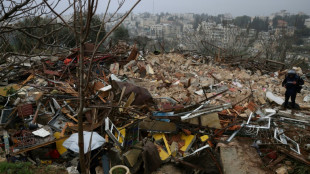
(307, 23)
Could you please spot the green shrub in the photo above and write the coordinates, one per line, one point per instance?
(15, 168)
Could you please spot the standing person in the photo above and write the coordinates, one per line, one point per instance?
(292, 83)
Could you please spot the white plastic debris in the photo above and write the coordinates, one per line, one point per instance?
(200, 92)
(113, 77)
(93, 137)
(270, 111)
(106, 88)
(307, 98)
(72, 170)
(176, 82)
(239, 85)
(274, 98)
(41, 133)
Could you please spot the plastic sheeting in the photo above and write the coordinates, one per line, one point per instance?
(96, 141)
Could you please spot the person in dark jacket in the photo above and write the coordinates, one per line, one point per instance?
(292, 83)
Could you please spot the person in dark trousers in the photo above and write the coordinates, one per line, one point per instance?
(95, 156)
(292, 83)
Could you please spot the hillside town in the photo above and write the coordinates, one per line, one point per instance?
(91, 92)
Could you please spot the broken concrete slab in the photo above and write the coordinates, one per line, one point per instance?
(274, 98)
(241, 158)
(211, 120)
(131, 157)
(149, 69)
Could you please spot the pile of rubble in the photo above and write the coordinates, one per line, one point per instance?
(148, 112)
(188, 81)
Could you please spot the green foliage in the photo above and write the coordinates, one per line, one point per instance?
(15, 168)
(242, 21)
(297, 21)
(10, 91)
(298, 41)
(171, 18)
(303, 32)
(303, 49)
(197, 20)
(23, 40)
(259, 24)
(142, 42)
(94, 29)
(121, 33)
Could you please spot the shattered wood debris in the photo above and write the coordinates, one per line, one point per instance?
(153, 110)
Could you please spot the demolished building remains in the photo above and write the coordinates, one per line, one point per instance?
(156, 113)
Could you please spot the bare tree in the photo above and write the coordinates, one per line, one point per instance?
(268, 46)
(276, 45)
(86, 9)
(212, 39)
(27, 29)
(79, 25)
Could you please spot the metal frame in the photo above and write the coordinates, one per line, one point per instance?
(285, 139)
(268, 117)
(197, 112)
(109, 127)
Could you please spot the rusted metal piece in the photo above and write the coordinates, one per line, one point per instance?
(37, 146)
(24, 139)
(55, 73)
(166, 107)
(25, 110)
(49, 72)
(133, 54)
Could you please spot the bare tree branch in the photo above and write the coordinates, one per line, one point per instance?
(105, 37)
(13, 10)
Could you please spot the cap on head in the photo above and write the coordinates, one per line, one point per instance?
(292, 71)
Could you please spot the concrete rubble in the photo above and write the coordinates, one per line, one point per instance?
(156, 113)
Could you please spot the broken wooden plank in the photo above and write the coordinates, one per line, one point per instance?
(293, 155)
(278, 160)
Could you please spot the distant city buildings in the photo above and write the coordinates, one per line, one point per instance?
(221, 30)
(307, 23)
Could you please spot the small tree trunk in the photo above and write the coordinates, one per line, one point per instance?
(80, 113)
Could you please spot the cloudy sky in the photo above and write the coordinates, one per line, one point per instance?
(214, 7)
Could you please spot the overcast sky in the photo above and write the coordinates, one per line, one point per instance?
(215, 7)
